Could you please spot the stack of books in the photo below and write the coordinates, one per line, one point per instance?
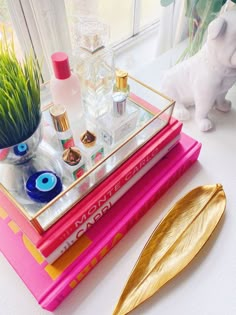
(53, 263)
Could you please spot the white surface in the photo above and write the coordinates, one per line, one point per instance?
(207, 286)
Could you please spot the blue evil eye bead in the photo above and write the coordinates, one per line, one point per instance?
(21, 149)
(43, 186)
(46, 182)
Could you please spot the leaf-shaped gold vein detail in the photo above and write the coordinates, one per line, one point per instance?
(173, 244)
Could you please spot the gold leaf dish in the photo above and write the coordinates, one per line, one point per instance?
(174, 243)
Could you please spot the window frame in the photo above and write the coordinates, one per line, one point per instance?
(33, 19)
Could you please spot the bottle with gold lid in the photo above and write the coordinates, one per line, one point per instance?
(121, 84)
(91, 147)
(74, 162)
(62, 126)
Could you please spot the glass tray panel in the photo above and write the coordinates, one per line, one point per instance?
(153, 115)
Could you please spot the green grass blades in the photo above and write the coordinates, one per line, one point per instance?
(19, 95)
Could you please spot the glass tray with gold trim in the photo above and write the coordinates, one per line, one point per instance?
(155, 111)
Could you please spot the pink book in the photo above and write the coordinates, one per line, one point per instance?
(98, 214)
(51, 283)
(70, 222)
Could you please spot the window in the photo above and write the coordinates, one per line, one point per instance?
(149, 13)
(49, 25)
(126, 18)
(6, 27)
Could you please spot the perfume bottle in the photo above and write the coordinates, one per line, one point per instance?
(62, 126)
(65, 87)
(121, 84)
(91, 148)
(116, 125)
(95, 67)
(74, 162)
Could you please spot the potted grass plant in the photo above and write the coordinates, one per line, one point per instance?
(20, 113)
(26, 168)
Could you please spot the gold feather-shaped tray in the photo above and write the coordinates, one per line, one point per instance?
(173, 244)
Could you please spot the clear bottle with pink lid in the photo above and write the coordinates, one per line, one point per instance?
(65, 87)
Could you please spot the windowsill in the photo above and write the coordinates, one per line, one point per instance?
(137, 52)
(152, 72)
(138, 58)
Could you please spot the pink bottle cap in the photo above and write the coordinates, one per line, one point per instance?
(61, 66)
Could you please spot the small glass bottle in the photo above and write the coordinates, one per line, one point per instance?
(121, 84)
(65, 87)
(74, 162)
(95, 67)
(62, 126)
(91, 148)
(116, 125)
(76, 166)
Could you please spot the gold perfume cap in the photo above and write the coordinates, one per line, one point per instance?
(88, 139)
(72, 156)
(121, 79)
(59, 118)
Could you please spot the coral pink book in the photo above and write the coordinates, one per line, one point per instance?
(72, 220)
(51, 283)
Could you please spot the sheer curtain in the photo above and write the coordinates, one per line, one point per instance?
(41, 26)
(173, 26)
(51, 22)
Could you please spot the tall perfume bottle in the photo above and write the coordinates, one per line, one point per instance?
(117, 124)
(65, 87)
(95, 67)
(62, 126)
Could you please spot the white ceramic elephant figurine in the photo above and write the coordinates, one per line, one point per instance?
(204, 79)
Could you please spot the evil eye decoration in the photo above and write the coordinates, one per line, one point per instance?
(21, 149)
(46, 182)
(43, 186)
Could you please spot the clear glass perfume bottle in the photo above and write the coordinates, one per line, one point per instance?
(74, 162)
(93, 151)
(75, 165)
(120, 122)
(91, 148)
(95, 67)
